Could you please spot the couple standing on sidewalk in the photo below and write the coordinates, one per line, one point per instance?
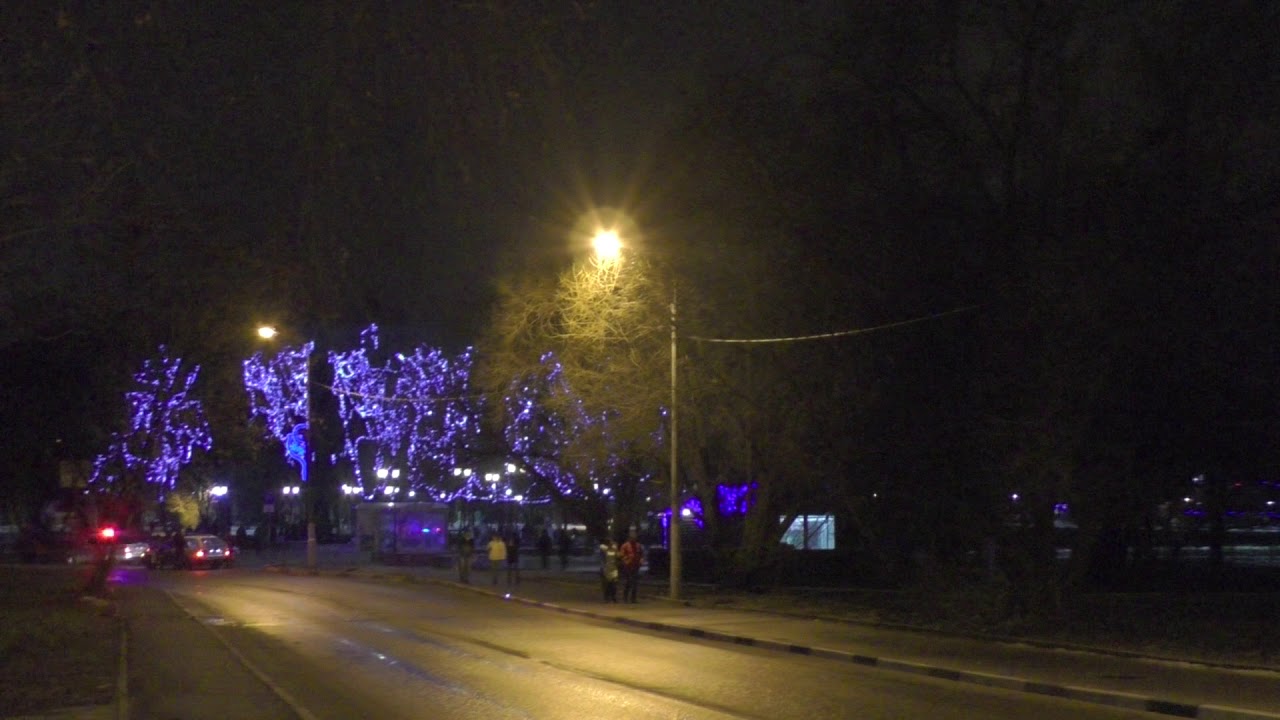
(624, 561)
(501, 553)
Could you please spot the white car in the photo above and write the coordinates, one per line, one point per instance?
(133, 553)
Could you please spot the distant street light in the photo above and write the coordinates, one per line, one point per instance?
(608, 247)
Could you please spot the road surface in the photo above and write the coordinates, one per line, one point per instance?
(247, 644)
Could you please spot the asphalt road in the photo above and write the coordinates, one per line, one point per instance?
(247, 644)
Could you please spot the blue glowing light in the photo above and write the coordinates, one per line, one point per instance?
(295, 447)
(736, 499)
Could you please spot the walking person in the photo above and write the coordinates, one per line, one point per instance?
(513, 560)
(630, 556)
(609, 570)
(562, 542)
(179, 549)
(466, 550)
(497, 555)
(544, 548)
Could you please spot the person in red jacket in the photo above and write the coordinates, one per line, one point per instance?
(630, 556)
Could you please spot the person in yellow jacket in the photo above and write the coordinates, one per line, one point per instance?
(497, 555)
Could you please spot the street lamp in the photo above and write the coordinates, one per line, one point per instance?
(217, 493)
(268, 332)
(607, 245)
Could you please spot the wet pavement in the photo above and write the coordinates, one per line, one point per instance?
(1162, 686)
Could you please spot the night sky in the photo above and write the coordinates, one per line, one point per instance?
(176, 174)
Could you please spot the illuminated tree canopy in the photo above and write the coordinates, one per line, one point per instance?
(166, 426)
(580, 362)
(578, 456)
(544, 418)
(412, 412)
(277, 388)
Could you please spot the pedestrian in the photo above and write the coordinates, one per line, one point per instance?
(609, 570)
(497, 555)
(242, 538)
(629, 557)
(466, 550)
(563, 548)
(179, 549)
(544, 548)
(513, 560)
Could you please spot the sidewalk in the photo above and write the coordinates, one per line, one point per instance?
(1161, 686)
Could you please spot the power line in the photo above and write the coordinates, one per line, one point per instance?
(841, 333)
(697, 338)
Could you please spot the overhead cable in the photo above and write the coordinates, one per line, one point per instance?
(825, 336)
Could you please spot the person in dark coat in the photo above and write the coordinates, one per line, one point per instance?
(466, 551)
(513, 560)
(178, 548)
(544, 548)
(562, 541)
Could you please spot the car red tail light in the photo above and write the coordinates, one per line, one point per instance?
(199, 553)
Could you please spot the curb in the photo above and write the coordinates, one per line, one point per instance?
(1125, 701)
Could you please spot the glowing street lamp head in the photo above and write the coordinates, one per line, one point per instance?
(607, 245)
(266, 332)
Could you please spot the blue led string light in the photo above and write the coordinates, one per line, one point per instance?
(413, 412)
(166, 426)
(277, 388)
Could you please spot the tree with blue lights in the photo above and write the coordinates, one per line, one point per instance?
(277, 388)
(166, 425)
(413, 412)
(579, 364)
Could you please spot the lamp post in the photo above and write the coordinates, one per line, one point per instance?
(218, 493)
(608, 246)
(268, 332)
(674, 530)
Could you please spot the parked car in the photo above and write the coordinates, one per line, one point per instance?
(133, 552)
(127, 548)
(207, 551)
